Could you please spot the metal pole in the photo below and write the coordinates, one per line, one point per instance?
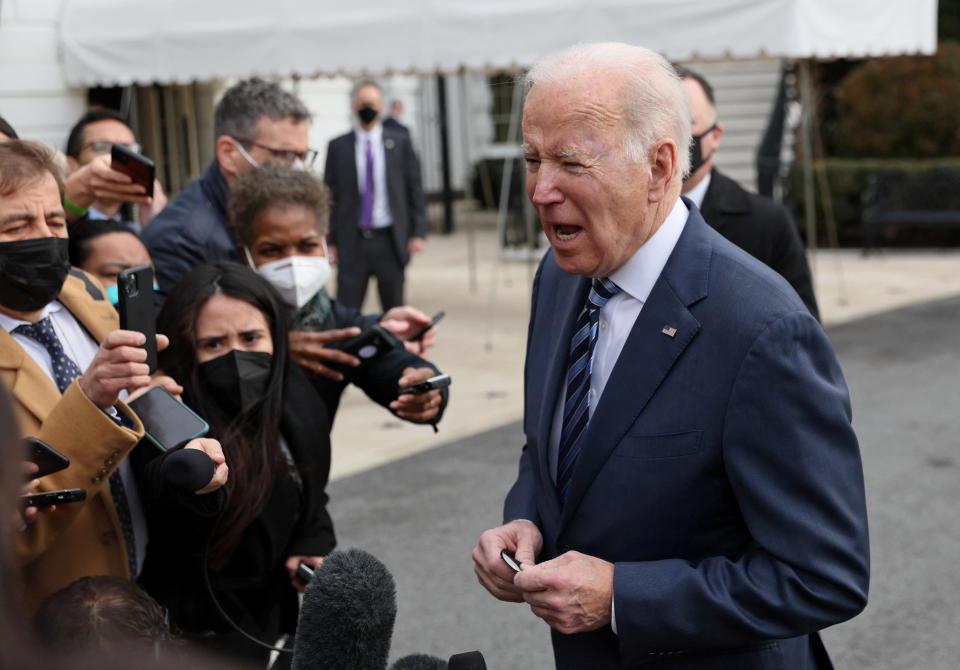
(445, 154)
(465, 142)
(809, 197)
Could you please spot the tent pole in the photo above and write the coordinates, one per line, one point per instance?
(465, 142)
(505, 180)
(444, 154)
(806, 132)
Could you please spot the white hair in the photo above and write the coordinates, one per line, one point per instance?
(656, 105)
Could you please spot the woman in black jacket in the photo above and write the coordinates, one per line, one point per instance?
(228, 347)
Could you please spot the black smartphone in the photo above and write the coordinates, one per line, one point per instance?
(368, 345)
(139, 168)
(305, 573)
(438, 382)
(167, 421)
(47, 459)
(423, 331)
(53, 498)
(510, 560)
(137, 311)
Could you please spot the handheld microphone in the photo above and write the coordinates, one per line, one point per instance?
(419, 662)
(469, 660)
(347, 616)
(187, 469)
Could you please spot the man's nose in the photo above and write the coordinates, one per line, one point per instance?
(543, 188)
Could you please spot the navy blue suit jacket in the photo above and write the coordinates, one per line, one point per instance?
(719, 472)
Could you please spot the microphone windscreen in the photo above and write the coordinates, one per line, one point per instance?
(419, 662)
(187, 469)
(468, 660)
(347, 616)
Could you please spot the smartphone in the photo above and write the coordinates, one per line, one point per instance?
(137, 311)
(423, 331)
(510, 560)
(438, 382)
(305, 573)
(139, 168)
(53, 498)
(167, 421)
(47, 459)
(368, 345)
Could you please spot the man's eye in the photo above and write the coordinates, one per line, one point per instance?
(210, 344)
(532, 163)
(251, 338)
(572, 165)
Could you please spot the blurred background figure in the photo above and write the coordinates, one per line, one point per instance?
(378, 219)
(394, 122)
(256, 122)
(103, 615)
(104, 248)
(90, 139)
(279, 216)
(759, 226)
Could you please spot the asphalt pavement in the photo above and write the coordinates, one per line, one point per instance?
(421, 515)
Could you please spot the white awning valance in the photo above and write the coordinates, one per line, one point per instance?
(117, 42)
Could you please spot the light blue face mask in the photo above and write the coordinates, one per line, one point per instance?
(113, 294)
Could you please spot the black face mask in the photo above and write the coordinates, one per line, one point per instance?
(696, 151)
(32, 272)
(367, 113)
(237, 379)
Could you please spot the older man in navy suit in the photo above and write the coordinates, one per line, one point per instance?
(691, 492)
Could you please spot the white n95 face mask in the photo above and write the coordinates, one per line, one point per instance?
(296, 278)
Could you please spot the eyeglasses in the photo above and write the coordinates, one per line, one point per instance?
(288, 156)
(103, 146)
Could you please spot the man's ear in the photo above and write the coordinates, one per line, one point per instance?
(663, 169)
(227, 155)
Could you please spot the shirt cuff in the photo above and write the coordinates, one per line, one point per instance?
(613, 615)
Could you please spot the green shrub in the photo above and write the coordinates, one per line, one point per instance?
(847, 179)
(908, 106)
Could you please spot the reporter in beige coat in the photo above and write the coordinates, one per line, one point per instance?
(86, 421)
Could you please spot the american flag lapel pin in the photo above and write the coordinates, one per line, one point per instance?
(669, 331)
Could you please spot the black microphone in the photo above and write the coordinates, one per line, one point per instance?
(187, 469)
(468, 660)
(419, 662)
(347, 616)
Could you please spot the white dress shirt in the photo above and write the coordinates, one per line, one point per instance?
(81, 348)
(635, 279)
(381, 203)
(699, 192)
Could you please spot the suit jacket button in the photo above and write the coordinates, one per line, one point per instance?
(102, 471)
(96, 480)
(110, 461)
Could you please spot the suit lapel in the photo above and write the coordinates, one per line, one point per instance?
(30, 385)
(570, 296)
(647, 356)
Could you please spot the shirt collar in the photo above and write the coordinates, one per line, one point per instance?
(374, 134)
(9, 323)
(638, 275)
(699, 192)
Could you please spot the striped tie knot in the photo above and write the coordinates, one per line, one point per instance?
(601, 290)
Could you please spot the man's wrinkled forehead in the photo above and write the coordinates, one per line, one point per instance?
(573, 111)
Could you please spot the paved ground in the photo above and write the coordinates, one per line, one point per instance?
(421, 514)
(483, 336)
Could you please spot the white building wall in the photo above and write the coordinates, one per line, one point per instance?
(34, 96)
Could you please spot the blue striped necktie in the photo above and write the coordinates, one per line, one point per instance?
(65, 370)
(576, 404)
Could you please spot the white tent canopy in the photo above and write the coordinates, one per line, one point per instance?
(119, 42)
